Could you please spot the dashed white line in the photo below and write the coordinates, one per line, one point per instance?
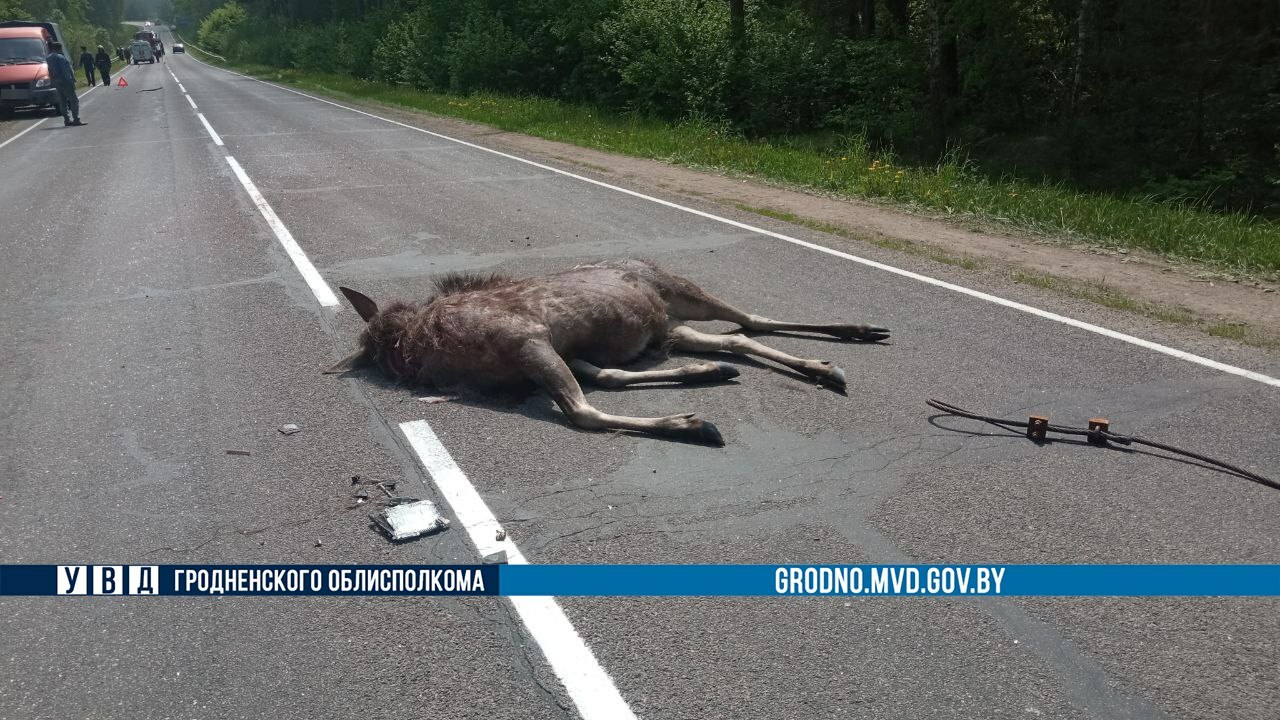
(1012, 304)
(309, 273)
(192, 102)
(587, 683)
(181, 88)
(216, 140)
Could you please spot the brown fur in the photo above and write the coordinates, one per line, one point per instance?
(488, 331)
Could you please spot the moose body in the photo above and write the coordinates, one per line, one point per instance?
(488, 331)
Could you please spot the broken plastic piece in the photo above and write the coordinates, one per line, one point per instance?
(237, 452)
(500, 535)
(495, 558)
(437, 399)
(290, 429)
(410, 520)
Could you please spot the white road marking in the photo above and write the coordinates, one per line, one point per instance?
(309, 273)
(192, 102)
(40, 122)
(216, 140)
(180, 86)
(587, 683)
(1012, 304)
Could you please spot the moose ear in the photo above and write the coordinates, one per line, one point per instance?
(350, 362)
(361, 302)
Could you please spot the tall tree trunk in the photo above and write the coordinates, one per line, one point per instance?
(943, 71)
(737, 85)
(861, 18)
(1077, 69)
(900, 14)
(737, 22)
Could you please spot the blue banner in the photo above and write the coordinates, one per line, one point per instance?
(646, 580)
(920, 580)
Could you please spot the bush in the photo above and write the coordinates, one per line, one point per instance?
(670, 57)
(485, 55)
(220, 27)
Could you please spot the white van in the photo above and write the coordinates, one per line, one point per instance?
(141, 50)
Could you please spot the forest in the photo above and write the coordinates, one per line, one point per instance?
(88, 23)
(1174, 100)
(1171, 99)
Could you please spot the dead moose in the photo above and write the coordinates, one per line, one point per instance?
(489, 331)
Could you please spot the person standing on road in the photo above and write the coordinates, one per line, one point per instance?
(86, 62)
(104, 65)
(64, 81)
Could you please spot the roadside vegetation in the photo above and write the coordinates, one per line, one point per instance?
(1102, 121)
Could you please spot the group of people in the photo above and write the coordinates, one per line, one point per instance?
(64, 77)
(101, 62)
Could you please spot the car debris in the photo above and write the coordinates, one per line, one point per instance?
(289, 429)
(495, 558)
(437, 399)
(237, 452)
(500, 535)
(410, 520)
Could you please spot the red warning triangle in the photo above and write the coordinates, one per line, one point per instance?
(122, 82)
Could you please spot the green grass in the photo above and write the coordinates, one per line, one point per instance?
(850, 168)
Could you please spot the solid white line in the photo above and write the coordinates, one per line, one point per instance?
(180, 86)
(1079, 324)
(192, 102)
(216, 140)
(40, 122)
(587, 683)
(309, 273)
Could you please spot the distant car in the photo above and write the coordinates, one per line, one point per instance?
(177, 48)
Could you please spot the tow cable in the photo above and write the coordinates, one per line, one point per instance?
(1097, 433)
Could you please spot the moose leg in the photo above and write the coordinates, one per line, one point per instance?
(545, 367)
(613, 378)
(684, 337)
(686, 301)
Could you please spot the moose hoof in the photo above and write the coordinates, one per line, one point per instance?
(830, 376)
(727, 371)
(873, 333)
(710, 434)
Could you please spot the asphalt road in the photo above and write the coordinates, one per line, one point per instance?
(153, 322)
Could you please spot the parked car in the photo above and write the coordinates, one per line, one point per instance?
(177, 48)
(24, 76)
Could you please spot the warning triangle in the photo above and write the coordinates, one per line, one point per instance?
(122, 82)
